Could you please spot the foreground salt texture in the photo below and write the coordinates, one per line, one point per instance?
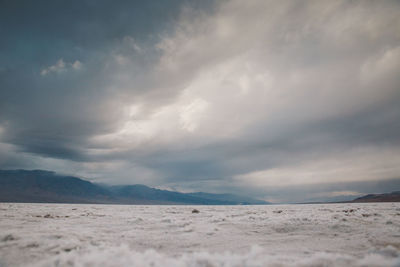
(122, 235)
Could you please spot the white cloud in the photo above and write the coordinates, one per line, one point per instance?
(266, 66)
(276, 64)
(58, 67)
(363, 164)
(61, 66)
(77, 65)
(382, 69)
(243, 78)
(337, 194)
(191, 113)
(131, 43)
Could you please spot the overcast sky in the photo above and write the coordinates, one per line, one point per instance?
(287, 101)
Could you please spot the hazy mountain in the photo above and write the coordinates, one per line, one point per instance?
(388, 197)
(228, 197)
(45, 186)
(146, 194)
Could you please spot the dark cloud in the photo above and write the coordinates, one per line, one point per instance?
(54, 114)
(218, 96)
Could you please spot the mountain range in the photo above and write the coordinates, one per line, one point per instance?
(39, 186)
(388, 197)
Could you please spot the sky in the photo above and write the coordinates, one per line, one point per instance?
(286, 101)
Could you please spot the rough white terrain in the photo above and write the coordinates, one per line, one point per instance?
(276, 235)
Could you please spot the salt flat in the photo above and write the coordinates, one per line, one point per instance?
(276, 235)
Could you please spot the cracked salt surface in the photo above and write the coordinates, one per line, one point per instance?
(276, 235)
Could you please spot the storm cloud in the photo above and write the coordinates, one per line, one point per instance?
(287, 101)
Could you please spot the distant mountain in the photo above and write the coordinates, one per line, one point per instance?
(44, 186)
(150, 195)
(48, 187)
(388, 197)
(228, 197)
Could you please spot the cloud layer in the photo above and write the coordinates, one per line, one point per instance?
(240, 96)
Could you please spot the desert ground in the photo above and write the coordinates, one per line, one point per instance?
(266, 235)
